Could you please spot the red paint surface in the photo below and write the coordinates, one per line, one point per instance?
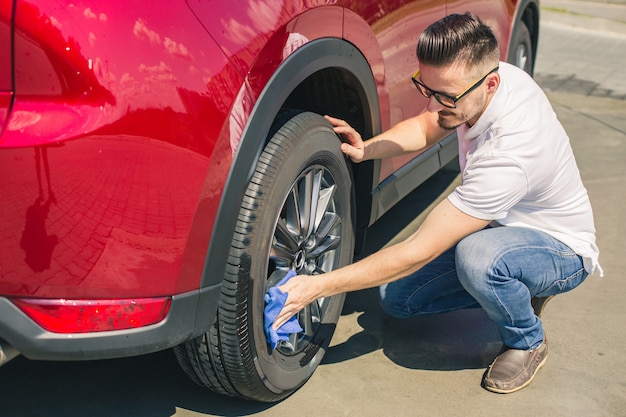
(121, 120)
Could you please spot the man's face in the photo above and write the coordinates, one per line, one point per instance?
(452, 81)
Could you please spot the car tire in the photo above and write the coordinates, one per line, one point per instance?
(297, 213)
(521, 52)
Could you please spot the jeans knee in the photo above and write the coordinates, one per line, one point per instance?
(390, 304)
(473, 262)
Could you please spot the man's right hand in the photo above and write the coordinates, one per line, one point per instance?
(353, 147)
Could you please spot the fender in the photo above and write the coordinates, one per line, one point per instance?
(310, 58)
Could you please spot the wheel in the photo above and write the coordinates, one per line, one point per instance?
(297, 213)
(521, 51)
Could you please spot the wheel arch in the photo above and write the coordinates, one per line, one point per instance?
(331, 63)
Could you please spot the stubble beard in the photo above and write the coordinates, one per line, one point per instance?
(449, 120)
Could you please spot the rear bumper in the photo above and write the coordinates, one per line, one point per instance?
(190, 315)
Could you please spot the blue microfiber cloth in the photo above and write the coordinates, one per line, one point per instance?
(274, 303)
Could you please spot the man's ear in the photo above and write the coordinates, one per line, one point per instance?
(492, 81)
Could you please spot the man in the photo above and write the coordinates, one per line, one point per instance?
(517, 231)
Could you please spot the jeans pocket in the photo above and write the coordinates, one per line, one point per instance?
(566, 284)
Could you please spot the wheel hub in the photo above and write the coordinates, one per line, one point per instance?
(299, 260)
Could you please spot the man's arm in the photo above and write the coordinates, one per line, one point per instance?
(442, 229)
(410, 135)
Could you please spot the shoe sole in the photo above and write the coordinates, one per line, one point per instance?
(524, 385)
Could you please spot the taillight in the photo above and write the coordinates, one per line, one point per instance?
(85, 316)
(6, 61)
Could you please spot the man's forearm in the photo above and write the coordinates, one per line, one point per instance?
(402, 138)
(382, 267)
(410, 135)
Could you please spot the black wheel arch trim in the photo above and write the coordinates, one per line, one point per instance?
(315, 56)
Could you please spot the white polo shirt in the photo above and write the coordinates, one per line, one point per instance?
(518, 168)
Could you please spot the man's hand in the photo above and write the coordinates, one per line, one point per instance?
(301, 291)
(354, 148)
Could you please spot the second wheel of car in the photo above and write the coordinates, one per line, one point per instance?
(521, 52)
(297, 214)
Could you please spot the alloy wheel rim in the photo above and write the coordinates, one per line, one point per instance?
(306, 237)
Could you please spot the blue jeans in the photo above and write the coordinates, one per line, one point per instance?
(499, 269)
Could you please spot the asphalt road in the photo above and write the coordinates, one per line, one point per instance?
(428, 366)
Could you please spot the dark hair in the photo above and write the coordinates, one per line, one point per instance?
(457, 37)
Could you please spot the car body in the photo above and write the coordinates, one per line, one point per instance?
(131, 135)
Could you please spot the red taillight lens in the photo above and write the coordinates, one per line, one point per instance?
(85, 316)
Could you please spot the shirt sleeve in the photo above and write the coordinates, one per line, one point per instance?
(490, 187)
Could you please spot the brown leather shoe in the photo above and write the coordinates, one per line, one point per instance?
(539, 303)
(514, 369)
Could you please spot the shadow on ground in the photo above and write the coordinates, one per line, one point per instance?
(464, 339)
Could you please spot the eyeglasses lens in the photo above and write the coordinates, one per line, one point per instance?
(426, 92)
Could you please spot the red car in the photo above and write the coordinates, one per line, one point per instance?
(161, 161)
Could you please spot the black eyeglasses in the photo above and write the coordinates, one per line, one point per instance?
(445, 99)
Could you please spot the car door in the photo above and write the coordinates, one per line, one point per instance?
(395, 28)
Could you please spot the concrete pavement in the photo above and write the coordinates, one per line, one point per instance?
(593, 15)
(582, 47)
